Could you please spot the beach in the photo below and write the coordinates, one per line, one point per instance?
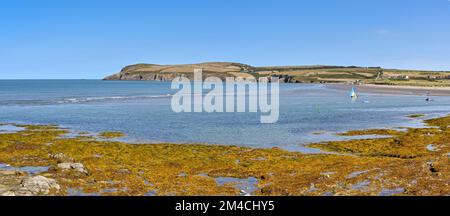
(395, 89)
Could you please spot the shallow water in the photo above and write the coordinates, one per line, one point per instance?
(391, 192)
(80, 193)
(4, 129)
(247, 186)
(142, 110)
(28, 169)
(362, 186)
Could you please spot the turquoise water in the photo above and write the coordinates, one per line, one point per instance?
(142, 110)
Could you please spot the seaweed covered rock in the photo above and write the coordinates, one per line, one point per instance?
(61, 158)
(76, 167)
(33, 186)
(39, 185)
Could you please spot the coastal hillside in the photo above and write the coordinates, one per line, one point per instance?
(288, 74)
(169, 72)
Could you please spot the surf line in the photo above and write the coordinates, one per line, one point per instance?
(230, 96)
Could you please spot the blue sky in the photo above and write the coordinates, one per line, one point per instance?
(93, 38)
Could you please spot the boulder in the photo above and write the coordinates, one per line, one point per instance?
(8, 193)
(9, 172)
(37, 185)
(77, 167)
(61, 157)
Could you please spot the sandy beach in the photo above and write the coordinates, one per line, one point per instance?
(389, 89)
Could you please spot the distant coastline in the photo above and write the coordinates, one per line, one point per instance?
(367, 76)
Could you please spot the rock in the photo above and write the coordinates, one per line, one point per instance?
(12, 173)
(123, 171)
(98, 155)
(61, 158)
(221, 70)
(37, 185)
(17, 183)
(8, 193)
(169, 72)
(3, 188)
(244, 193)
(432, 148)
(77, 167)
(432, 168)
(7, 172)
(9, 181)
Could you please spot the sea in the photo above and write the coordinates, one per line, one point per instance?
(309, 113)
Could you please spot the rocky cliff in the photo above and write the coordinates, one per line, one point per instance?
(287, 74)
(169, 72)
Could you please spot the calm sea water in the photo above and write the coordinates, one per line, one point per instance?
(142, 110)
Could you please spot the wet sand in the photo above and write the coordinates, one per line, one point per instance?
(387, 89)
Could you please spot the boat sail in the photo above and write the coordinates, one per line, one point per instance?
(353, 94)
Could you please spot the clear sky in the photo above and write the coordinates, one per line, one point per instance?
(93, 38)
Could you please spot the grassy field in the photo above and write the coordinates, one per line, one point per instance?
(374, 75)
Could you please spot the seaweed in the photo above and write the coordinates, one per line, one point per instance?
(119, 168)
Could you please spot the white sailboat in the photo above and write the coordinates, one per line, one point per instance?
(353, 94)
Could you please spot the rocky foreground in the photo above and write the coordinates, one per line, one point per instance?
(25, 182)
(43, 160)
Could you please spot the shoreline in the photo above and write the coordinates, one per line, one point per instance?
(393, 89)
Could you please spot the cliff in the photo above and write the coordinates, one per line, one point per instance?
(288, 74)
(169, 72)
